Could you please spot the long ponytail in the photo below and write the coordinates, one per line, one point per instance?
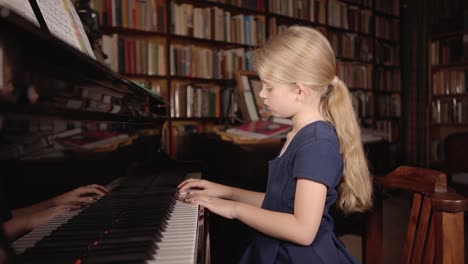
(355, 189)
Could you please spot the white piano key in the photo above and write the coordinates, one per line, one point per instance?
(179, 239)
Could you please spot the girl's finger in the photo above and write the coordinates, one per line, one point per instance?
(100, 187)
(82, 200)
(185, 182)
(72, 207)
(91, 190)
(98, 191)
(189, 185)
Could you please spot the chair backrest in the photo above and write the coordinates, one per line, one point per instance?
(435, 232)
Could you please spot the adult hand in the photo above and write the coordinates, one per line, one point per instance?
(81, 195)
(203, 187)
(222, 207)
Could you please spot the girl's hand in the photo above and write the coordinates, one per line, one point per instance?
(42, 217)
(222, 207)
(202, 187)
(81, 195)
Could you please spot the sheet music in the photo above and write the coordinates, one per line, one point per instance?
(23, 8)
(63, 21)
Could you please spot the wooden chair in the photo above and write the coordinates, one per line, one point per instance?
(435, 231)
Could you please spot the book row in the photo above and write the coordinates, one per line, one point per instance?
(391, 7)
(387, 54)
(387, 28)
(351, 46)
(449, 51)
(388, 105)
(390, 129)
(189, 104)
(248, 4)
(192, 61)
(355, 75)
(363, 103)
(454, 111)
(146, 56)
(349, 17)
(387, 79)
(148, 15)
(449, 82)
(195, 101)
(309, 10)
(217, 24)
(128, 55)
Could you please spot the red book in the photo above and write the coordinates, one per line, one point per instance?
(261, 129)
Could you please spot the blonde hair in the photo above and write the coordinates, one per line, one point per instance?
(302, 54)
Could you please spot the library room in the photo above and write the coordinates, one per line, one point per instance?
(174, 131)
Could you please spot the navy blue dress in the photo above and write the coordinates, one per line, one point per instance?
(312, 154)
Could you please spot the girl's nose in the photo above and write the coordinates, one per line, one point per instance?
(262, 93)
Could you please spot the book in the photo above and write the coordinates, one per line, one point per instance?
(62, 20)
(22, 8)
(260, 129)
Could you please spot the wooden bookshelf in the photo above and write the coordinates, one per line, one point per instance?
(387, 83)
(448, 96)
(371, 69)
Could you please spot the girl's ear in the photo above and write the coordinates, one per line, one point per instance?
(302, 91)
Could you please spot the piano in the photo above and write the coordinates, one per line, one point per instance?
(66, 121)
(137, 222)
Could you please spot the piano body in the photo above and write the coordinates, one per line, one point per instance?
(68, 121)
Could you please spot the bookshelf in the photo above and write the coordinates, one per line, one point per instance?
(364, 35)
(447, 49)
(387, 75)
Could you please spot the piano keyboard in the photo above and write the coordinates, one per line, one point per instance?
(128, 225)
(28, 240)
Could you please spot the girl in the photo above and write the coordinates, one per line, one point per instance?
(322, 160)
